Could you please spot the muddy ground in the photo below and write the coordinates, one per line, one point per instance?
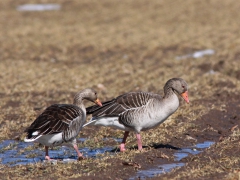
(121, 46)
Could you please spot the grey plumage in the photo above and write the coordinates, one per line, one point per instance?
(57, 118)
(139, 111)
(61, 123)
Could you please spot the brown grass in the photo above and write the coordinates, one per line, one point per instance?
(115, 47)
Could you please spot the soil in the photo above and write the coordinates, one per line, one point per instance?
(116, 47)
(213, 126)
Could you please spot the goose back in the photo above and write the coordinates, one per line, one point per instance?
(150, 115)
(65, 118)
(121, 104)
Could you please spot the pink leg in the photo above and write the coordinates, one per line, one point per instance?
(46, 153)
(80, 156)
(122, 145)
(139, 141)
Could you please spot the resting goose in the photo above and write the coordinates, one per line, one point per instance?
(60, 124)
(139, 111)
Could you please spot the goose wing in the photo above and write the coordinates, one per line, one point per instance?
(56, 118)
(122, 103)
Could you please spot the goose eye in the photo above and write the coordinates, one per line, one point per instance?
(183, 87)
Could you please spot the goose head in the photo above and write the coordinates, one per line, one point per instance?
(179, 86)
(87, 94)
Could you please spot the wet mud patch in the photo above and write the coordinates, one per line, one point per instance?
(124, 54)
(14, 153)
(178, 156)
(157, 159)
(215, 126)
(180, 153)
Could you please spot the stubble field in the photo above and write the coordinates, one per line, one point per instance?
(117, 47)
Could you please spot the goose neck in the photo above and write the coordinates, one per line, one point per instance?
(168, 92)
(78, 101)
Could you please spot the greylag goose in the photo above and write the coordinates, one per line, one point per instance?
(139, 111)
(59, 124)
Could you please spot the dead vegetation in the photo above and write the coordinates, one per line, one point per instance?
(116, 47)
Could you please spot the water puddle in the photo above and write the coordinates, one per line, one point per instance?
(180, 154)
(20, 153)
(39, 7)
(197, 54)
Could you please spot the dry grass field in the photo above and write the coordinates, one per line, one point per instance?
(121, 46)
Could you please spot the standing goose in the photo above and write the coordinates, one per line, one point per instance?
(60, 124)
(139, 111)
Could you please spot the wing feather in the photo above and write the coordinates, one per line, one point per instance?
(121, 104)
(56, 118)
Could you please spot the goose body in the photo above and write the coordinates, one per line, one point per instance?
(139, 111)
(140, 118)
(59, 124)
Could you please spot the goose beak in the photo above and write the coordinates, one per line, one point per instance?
(98, 102)
(185, 96)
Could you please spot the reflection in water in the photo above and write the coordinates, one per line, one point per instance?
(155, 171)
(16, 152)
(180, 154)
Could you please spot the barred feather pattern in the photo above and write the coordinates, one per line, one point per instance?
(121, 104)
(58, 118)
(139, 111)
